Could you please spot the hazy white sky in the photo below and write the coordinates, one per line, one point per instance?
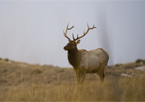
(32, 31)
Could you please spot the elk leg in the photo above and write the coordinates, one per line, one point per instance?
(83, 77)
(78, 77)
(101, 74)
(102, 77)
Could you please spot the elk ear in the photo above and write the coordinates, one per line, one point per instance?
(78, 42)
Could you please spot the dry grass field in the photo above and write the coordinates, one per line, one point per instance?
(28, 82)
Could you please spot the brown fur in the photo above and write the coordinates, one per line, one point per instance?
(75, 59)
(83, 61)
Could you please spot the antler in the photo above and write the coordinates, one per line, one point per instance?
(66, 32)
(84, 33)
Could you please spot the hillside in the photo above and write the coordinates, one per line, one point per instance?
(30, 82)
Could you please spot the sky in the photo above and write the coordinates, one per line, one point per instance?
(32, 31)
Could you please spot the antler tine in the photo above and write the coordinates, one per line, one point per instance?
(87, 25)
(66, 36)
(85, 32)
(73, 36)
(66, 27)
(70, 28)
(66, 31)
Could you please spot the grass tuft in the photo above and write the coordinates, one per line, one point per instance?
(27, 82)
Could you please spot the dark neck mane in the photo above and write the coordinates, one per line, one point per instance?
(74, 57)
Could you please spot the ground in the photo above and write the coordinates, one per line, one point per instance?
(30, 82)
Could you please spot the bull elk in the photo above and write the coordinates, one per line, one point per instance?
(83, 61)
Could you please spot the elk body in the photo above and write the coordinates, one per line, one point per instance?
(83, 61)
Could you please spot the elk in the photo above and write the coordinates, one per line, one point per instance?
(83, 61)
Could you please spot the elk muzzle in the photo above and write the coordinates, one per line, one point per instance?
(65, 48)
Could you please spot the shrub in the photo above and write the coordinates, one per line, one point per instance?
(140, 61)
(37, 71)
(6, 59)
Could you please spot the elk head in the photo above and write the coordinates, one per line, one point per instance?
(72, 44)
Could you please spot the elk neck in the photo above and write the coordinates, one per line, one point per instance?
(74, 57)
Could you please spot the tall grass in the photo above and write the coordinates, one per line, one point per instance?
(112, 89)
(24, 82)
